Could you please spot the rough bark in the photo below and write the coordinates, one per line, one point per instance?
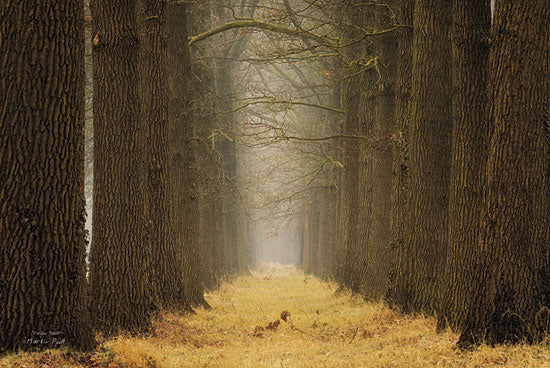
(379, 236)
(356, 186)
(335, 252)
(400, 166)
(184, 173)
(206, 189)
(42, 213)
(349, 180)
(359, 120)
(470, 55)
(510, 300)
(361, 225)
(429, 151)
(120, 255)
(166, 267)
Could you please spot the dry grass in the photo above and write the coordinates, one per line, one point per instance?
(325, 331)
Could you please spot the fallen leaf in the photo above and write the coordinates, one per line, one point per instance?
(273, 325)
(284, 315)
(258, 331)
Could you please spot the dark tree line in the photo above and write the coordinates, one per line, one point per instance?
(157, 238)
(467, 238)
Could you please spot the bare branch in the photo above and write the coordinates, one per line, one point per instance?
(290, 103)
(265, 26)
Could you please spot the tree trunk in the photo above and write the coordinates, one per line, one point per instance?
(400, 166)
(510, 300)
(379, 237)
(167, 270)
(470, 48)
(361, 224)
(43, 285)
(313, 235)
(206, 188)
(429, 150)
(360, 202)
(120, 255)
(184, 173)
(335, 251)
(305, 242)
(357, 179)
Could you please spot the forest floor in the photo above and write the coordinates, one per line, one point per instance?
(323, 330)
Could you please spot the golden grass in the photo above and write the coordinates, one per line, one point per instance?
(325, 331)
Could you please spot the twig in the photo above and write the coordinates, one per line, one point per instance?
(353, 337)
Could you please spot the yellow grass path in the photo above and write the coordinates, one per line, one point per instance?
(329, 331)
(324, 331)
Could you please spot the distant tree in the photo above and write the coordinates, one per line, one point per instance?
(429, 148)
(470, 55)
(511, 288)
(335, 193)
(43, 285)
(120, 255)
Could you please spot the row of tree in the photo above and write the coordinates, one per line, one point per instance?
(443, 206)
(160, 188)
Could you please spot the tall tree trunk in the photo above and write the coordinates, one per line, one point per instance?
(511, 295)
(379, 237)
(324, 201)
(363, 250)
(120, 255)
(207, 188)
(470, 52)
(167, 270)
(400, 166)
(429, 150)
(305, 241)
(42, 240)
(357, 180)
(361, 225)
(349, 177)
(184, 173)
(313, 235)
(335, 252)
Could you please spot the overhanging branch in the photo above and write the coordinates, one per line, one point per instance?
(289, 103)
(265, 26)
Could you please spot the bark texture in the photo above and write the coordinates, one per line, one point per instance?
(511, 294)
(379, 236)
(359, 120)
(429, 151)
(166, 267)
(400, 166)
(470, 56)
(43, 285)
(120, 255)
(185, 185)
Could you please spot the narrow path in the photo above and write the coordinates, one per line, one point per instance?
(323, 331)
